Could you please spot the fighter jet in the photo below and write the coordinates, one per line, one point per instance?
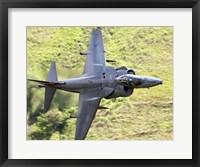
(97, 81)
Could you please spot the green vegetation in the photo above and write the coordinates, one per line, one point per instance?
(146, 115)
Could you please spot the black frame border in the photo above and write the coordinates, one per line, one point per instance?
(6, 4)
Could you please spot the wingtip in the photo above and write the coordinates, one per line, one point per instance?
(97, 29)
(79, 138)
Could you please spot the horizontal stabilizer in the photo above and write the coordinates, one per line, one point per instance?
(47, 83)
(39, 81)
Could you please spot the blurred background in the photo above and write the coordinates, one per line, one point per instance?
(146, 115)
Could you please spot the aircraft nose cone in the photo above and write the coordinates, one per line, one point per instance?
(151, 81)
(159, 82)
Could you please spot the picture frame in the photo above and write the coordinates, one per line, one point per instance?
(4, 72)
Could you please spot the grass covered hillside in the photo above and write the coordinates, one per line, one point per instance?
(146, 115)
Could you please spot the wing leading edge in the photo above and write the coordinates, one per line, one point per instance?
(88, 105)
(95, 60)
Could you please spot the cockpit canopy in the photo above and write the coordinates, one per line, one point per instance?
(129, 80)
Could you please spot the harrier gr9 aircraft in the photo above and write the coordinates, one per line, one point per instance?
(98, 81)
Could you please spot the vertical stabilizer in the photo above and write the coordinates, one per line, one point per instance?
(52, 73)
(50, 90)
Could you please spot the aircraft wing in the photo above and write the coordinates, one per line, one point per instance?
(88, 105)
(95, 60)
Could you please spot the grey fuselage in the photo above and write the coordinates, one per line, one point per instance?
(99, 80)
(113, 82)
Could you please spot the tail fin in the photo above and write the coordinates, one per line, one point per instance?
(50, 91)
(52, 73)
(49, 85)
